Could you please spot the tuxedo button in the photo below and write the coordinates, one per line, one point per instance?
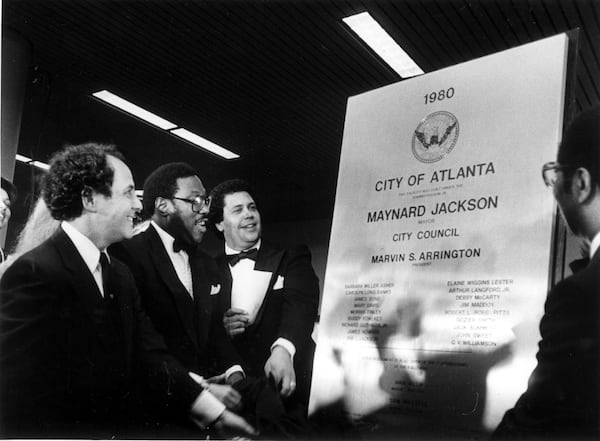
(111, 296)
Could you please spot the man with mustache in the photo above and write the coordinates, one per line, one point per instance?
(176, 281)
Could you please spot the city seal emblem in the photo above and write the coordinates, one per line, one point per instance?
(435, 137)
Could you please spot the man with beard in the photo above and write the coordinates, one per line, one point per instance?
(176, 281)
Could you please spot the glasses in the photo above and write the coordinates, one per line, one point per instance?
(198, 203)
(549, 170)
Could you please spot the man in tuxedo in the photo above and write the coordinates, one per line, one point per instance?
(561, 400)
(73, 336)
(174, 276)
(269, 297)
(177, 280)
(8, 195)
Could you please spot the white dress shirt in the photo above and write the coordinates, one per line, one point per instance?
(180, 260)
(249, 286)
(248, 290)
(88, 252)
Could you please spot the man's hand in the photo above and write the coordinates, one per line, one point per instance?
(279, 366)
(218, 379)
(227, 395)
(230, 425)
(223, 379)
(234, 378)
(235, 321)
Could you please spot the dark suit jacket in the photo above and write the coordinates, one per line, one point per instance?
(185, 323)
(289, 312)
(561, 400)
(68, 356)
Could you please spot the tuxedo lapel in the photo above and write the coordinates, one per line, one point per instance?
(85, 286)
(201, 282)
(268, 259)
(226, 281)
(81, 275)
(164, 266)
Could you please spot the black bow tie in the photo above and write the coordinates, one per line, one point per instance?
(179, 245)
(248, 254)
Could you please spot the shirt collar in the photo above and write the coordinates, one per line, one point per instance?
(165, 237)
(595, 244)
(85, 247)
(229, 250)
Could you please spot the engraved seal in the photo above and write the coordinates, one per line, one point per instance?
(435, 136)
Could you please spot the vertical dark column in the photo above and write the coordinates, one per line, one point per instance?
(16, 55)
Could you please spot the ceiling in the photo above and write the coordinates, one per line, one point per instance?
(267, 79)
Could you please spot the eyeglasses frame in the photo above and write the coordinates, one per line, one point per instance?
(202, 201)
(554, 166)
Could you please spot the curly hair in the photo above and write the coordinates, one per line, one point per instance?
(162, 182)
(217, 197)
(72, 170)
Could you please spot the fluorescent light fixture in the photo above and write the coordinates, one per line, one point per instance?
(383, 44)
(40, 164)
(155, 120)
(22, 158)
(204, 143)
(29, 161)
(133, 109)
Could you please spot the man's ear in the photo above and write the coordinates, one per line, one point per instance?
(219, 226)
(582, 185)
(163, 206)
(88, 200)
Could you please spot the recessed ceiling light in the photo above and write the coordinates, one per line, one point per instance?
(204, 143)
(134, 109)
(383, 44)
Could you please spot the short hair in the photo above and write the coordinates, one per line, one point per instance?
(217, 197)
(72, 170)
(10, 190)
(580, 145)
(162, 182)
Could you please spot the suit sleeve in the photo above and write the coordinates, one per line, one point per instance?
(166, 376)
(300, 297)
(30, 345)
(557, 394)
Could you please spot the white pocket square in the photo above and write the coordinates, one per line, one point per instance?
(215, 289)
(278, 283)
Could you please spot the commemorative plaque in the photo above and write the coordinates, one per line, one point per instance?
(439, 255)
